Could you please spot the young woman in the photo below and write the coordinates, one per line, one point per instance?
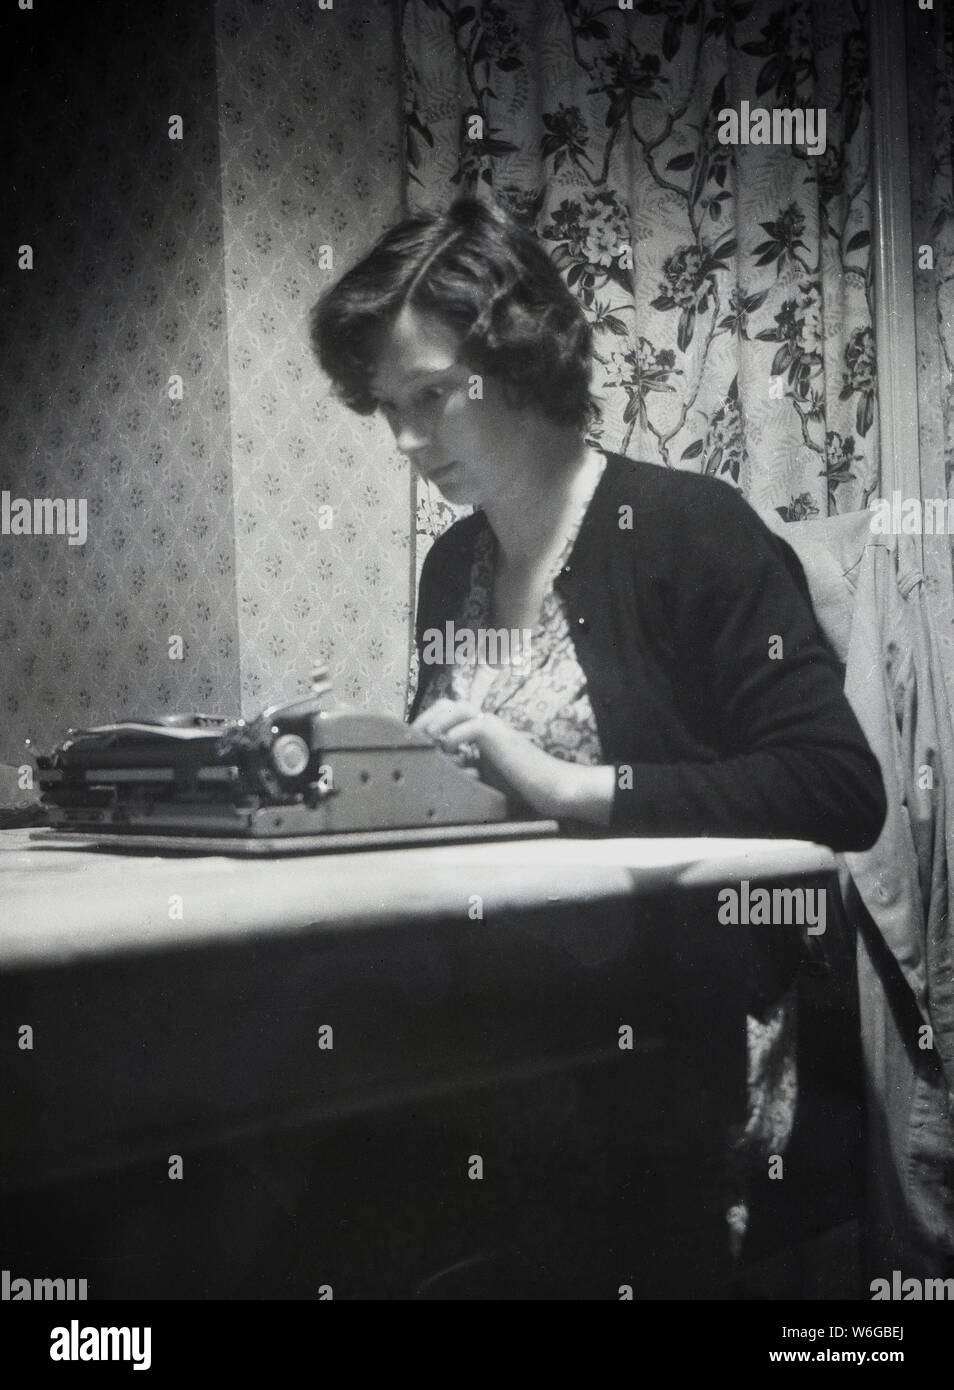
(677, 682)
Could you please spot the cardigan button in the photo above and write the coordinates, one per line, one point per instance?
(583, 624)
(567, 570)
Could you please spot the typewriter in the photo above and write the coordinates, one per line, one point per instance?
(300, 776)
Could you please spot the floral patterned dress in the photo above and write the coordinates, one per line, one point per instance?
(545, 696)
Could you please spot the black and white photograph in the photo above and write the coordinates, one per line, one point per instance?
(477, 666)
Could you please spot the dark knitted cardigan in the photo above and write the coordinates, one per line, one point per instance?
(715, 694)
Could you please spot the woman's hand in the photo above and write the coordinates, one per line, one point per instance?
(550, 786)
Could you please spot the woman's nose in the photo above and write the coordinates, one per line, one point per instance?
(409, 436)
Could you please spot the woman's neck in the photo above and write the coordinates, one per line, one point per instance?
(531, 517)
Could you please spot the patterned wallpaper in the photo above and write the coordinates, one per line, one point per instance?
(126, 291)
(208, 515)
(311, 172)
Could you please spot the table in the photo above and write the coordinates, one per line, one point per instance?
(490, 1070)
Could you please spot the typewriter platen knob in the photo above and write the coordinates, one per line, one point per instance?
(290, 755)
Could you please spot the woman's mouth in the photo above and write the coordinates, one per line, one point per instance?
(436, 475)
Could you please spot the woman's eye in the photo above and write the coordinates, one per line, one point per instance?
(426, 396)
(432, 393)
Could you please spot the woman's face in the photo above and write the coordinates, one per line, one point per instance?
(455, 426)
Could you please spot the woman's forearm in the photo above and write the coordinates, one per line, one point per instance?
(586, 794)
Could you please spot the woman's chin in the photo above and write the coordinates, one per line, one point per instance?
(453, 490)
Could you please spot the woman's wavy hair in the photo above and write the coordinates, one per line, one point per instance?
(481, 273)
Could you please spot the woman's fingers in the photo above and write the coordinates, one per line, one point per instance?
(472, 731)
(445, 716)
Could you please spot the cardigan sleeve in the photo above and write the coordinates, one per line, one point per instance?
(793, 761)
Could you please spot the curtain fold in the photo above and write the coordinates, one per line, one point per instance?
(930, 83)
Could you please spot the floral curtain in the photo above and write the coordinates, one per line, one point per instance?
(729, 284)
